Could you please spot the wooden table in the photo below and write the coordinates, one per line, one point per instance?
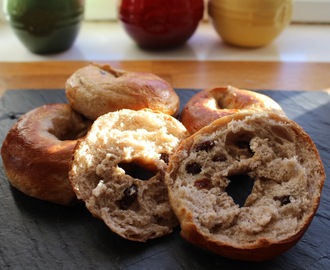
(181, 74)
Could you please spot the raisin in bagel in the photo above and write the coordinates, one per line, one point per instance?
(119, 170)
(98, 89)
(37, 152)
(286, 173)
(211, 104)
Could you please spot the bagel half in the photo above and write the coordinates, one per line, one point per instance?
(119, 170)
(286, 174)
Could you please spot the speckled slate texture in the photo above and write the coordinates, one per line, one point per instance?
(41, 235)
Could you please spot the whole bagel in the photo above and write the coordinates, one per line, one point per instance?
(207, 179)
(37, 151)
(98, 89)
(210, 104)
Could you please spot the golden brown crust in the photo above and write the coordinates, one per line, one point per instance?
(263, 248)
(97, 89)
(261, 251)
(37, 151)
(210, 104)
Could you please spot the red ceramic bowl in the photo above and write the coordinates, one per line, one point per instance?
(160, 24)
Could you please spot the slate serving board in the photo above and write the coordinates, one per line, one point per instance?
(39, 235)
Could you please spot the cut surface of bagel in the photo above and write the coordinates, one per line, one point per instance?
(210, 168)
(119, 170)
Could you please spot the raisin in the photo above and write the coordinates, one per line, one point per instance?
(204, 146)
(283, 199)
(165, 157)
(193, 168)
(219, 158)
(203, 183)
(130, 195)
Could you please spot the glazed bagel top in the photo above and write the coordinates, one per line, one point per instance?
(211, 104)
(37, 151)
(98, 89)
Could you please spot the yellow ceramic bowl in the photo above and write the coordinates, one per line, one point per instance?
(249, 23)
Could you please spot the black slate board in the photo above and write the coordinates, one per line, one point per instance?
(40, 235)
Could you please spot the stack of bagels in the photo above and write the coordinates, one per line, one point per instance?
(121, 146)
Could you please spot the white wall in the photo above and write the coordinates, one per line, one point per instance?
(303, 11)
(101, 9)
(95, 9)
(314, 11)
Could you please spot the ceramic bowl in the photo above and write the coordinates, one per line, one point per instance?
(249, 23)
(160, 24)
(45, 26)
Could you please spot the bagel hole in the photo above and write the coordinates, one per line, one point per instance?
(137, 171)
(239, 188)
(71, 133)
(74, 135)
(238, 144)
(219, 104)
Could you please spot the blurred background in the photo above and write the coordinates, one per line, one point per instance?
(102, 38)
(304, 11)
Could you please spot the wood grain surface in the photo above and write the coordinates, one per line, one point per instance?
(181, 74)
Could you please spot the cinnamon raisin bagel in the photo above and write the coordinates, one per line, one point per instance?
(98, 89)
(211, 104)
(119, 169)
(212, 167)
(37, 151)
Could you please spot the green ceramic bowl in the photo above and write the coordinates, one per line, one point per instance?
(45, 26)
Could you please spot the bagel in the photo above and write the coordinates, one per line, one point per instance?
(98, 89)
(119, 168)
(210, 104)
(286, 176)
(37, 151)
